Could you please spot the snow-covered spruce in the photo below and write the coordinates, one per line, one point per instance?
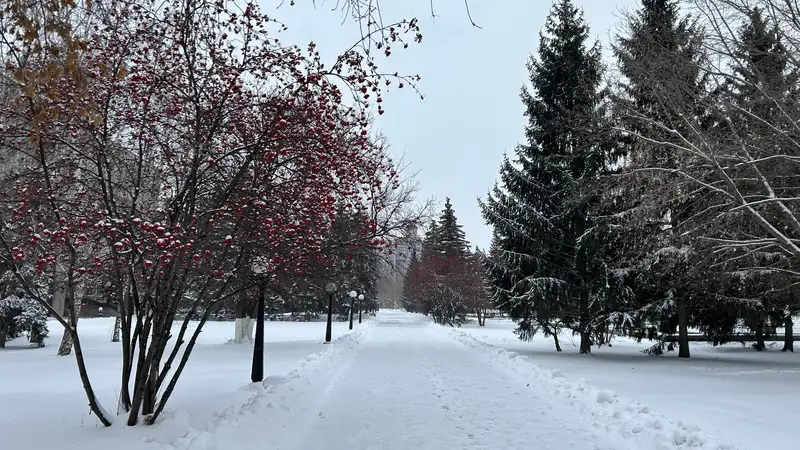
(22, 316)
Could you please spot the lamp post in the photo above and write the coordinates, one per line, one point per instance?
(352, 300)
(360, 306)
(330, 288)
(257, 370)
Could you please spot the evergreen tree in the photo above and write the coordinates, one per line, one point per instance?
(451, 238)
(19, 313)
(763, 80)
(541, 214)
(409, 300)
(763, 91)
(356, 264)
(658, 58)
(446, 281)
(496, 271)
(430, 243)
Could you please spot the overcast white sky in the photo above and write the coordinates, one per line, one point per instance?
(471, 79)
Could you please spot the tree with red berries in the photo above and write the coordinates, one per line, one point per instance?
(170, 150)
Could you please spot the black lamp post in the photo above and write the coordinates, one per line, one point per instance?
(360, 306)
(257, 370)
(352, 300)
(330, 288)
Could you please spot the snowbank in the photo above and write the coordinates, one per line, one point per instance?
(623, 417)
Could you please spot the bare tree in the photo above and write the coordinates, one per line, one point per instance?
(735, 153)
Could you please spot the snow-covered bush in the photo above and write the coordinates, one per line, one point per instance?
(21, 315)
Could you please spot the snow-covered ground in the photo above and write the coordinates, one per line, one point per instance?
(399, 382)
(404, 383)
(746, 397)
(42, 403)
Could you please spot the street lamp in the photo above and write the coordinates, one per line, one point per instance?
(330, 288)
(352, 299)
(360, 306)
(257, 370)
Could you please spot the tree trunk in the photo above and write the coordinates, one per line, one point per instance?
(760, 343)
(59, 305)
(150, 391)
(583, 301)
(244, 324)
(351, 314)
(3, 331)
(181, 365)
(788, 334)
(257, 369)
(143, 358)
(243, 329)
(117, 326)
(66, 342)
(586, 343)
(126, 321)
(161, 336)
(73, 308)
(94, 405)
(586, 340)
(555, 340)
(249, 328)
(58, 292)
(683, 328)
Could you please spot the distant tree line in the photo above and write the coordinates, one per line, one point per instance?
(445, 281)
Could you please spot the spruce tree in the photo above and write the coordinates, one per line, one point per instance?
(430, 242)
(496, 271)
(658, 58)
(451, 238)
(763, 80)
(445, 282)
(541, 213)
(763, 91)
(757, 106)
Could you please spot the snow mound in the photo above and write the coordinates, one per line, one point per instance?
(606, 397)
(174, 433)
(173, 425)
(623, 417)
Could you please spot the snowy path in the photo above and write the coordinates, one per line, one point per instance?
(402, 383)
(410, 387)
